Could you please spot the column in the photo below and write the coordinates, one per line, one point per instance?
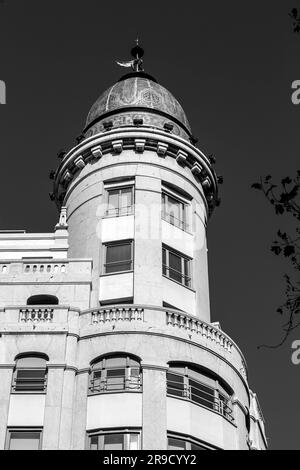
(67, 405)
(148, 247)
(52, 416)
(154, 407)
(80, 410)
(6, 372)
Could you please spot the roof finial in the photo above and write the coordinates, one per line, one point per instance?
(137, 63)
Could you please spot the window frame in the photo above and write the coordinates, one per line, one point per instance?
(182, 224)
(221, 400)
(17, 368)
(100, 367)
(23, 429)
(126, 432)
(189, 441)
(119, 187)
(118, 243)
(186, 275)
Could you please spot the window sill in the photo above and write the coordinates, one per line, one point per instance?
(179, 283)
(114, 392)
(115, 274)
(116, 216)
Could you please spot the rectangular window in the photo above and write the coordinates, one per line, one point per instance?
(118, 257)
(120, 201)
(24, 439)
(115, 441)
(30, 380)
(176, 266)
(174, 211)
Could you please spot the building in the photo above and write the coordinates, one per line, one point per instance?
(106, 340)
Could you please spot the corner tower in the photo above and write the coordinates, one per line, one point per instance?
(113, 308)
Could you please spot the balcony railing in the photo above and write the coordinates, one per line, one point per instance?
(192, 324)
(119, 211)
(200, 394)
(115, 314)
(116, 384)
(171, 219)
(36, 315)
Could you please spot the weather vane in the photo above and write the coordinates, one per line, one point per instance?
(137, 63)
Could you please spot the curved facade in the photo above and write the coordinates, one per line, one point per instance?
(133, 360)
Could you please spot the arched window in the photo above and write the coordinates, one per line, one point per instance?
(115, 373)
(42, 300)
(30, 373)
(199, 386)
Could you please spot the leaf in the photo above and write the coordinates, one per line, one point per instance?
(279, 209)
(256, 186)
(276, 249)
(286, 180)
(289, 250)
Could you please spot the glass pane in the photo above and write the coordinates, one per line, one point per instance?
(126, 198)
(31, 362)
(176, 444)
(115, 362)
(24, 440)
(174, 210)
(27, 374)
(113, 442)
(202, 394)
(118, 253)
(175, 385)
(175, 270)
(196, 447)
(113, 200)
(134, 442)
(94, 443)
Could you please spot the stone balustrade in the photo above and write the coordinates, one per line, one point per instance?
(194, 325)
(36, 315)
(115, 314)
(49, 267)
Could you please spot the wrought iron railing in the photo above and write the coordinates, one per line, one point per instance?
(199, 393)
(114, 384)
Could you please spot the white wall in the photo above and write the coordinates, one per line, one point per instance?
(179, 296)
(177, 239)
(187, 418)
(117, 228)
(26, 410)
(116, 286)
(114, 410)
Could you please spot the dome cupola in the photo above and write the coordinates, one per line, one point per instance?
(137, 97)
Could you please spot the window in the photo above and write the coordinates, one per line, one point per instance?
(200, 388)
(30, 374)
(120, 201)
(118, 257)
(174, 211)
(176, 266)
(117, 440)
(115, 373)
(42, 300)
(24, 439)
(181, 444)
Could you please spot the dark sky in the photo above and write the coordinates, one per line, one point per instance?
(231, 65)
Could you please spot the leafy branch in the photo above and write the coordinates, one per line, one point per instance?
(285, 200)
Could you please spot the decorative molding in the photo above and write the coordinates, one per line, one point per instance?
(140, 145)
(117, 145)
(162, 149)
(181, 157)
(97, 152)
(79, 162)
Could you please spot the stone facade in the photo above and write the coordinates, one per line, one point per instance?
(152, 308)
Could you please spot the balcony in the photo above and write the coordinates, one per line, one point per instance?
(125, 319)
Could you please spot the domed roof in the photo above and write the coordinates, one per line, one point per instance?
(138, 92)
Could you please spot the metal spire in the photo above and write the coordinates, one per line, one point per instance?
(137, 63)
